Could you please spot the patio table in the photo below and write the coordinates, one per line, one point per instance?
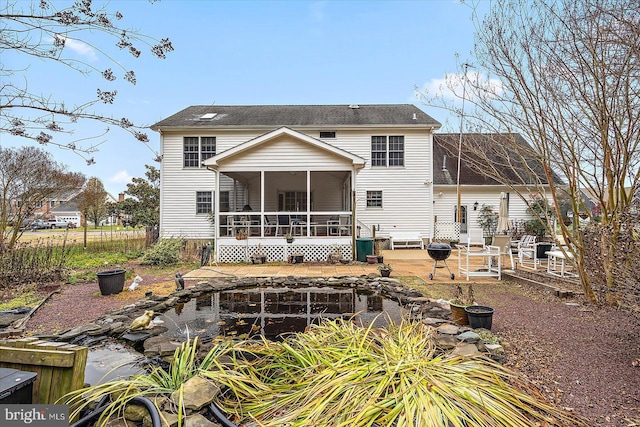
(552, 264)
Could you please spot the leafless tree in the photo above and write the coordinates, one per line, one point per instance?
(29, 177)
(566, 76)
(38, 29)
(93, 201)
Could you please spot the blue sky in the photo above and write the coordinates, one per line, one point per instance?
(255, 52)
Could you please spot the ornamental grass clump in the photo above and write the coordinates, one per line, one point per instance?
(158, 382)
(340, 374)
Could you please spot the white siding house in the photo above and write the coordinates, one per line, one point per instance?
(328, 174)
(336, 172)
(478, 189)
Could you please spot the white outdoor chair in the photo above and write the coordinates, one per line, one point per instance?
(504, 243)
(283, 225)
(476, 249)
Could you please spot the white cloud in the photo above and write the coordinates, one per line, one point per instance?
(121, 177)
(81, 48)
(451, 87)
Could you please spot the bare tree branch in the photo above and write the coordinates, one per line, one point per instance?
(40, 31)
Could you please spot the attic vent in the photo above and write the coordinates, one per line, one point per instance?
(208, 116)
(444, 163)
(415, 117)
(354, 106)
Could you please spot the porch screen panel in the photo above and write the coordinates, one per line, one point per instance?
(378, 151)
(396, 151)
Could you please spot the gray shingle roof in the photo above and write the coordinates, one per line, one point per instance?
(298, 115)
(496, 145)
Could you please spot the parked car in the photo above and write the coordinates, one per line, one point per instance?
(59, 223)
(39, 224)
(26, 223)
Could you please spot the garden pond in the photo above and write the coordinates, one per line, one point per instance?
(245, 313)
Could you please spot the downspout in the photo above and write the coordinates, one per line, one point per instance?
(216, 212)
(354, 219)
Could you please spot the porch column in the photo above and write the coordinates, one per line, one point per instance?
(216, 215)
(262, 216)
(308, 218)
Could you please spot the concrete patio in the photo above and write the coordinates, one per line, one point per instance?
(405, 262)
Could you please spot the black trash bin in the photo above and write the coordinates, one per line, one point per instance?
(16, 387)
(542, 248)
(364, 247)
(111, 281)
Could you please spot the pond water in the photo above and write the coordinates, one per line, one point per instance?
(271, 312)
(111, 361)
(247, 313)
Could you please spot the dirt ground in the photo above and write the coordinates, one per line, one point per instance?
(582, 357)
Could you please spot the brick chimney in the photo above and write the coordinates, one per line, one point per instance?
(120, 197)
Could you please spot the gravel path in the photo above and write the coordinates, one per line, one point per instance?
(580, 356)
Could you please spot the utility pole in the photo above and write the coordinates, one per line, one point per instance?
(458, 189)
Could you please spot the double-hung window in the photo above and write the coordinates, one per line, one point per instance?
(374, 199)
(204, 202)
(197, 149)
(387, 151)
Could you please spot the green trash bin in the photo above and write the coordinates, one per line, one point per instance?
(364, 247)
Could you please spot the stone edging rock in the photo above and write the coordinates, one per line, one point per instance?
(460, 339)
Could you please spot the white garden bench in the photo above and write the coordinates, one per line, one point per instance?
(405, 239)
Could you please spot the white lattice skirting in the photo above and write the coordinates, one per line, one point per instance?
(311, 252)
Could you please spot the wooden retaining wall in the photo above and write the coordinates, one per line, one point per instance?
(60, 366)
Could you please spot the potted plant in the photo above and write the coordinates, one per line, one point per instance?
(258, 256)
(289, 237)
(385, 270)
(479, 316)
(459, 302)
(336, 255)
(488, 221)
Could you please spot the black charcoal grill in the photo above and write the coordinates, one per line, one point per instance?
(439, 251)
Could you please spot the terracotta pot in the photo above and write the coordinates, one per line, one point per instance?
(372, 259)
(459, 314)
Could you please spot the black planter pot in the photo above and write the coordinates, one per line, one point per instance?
(385, 273)
(111, 281)
(479, 316)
